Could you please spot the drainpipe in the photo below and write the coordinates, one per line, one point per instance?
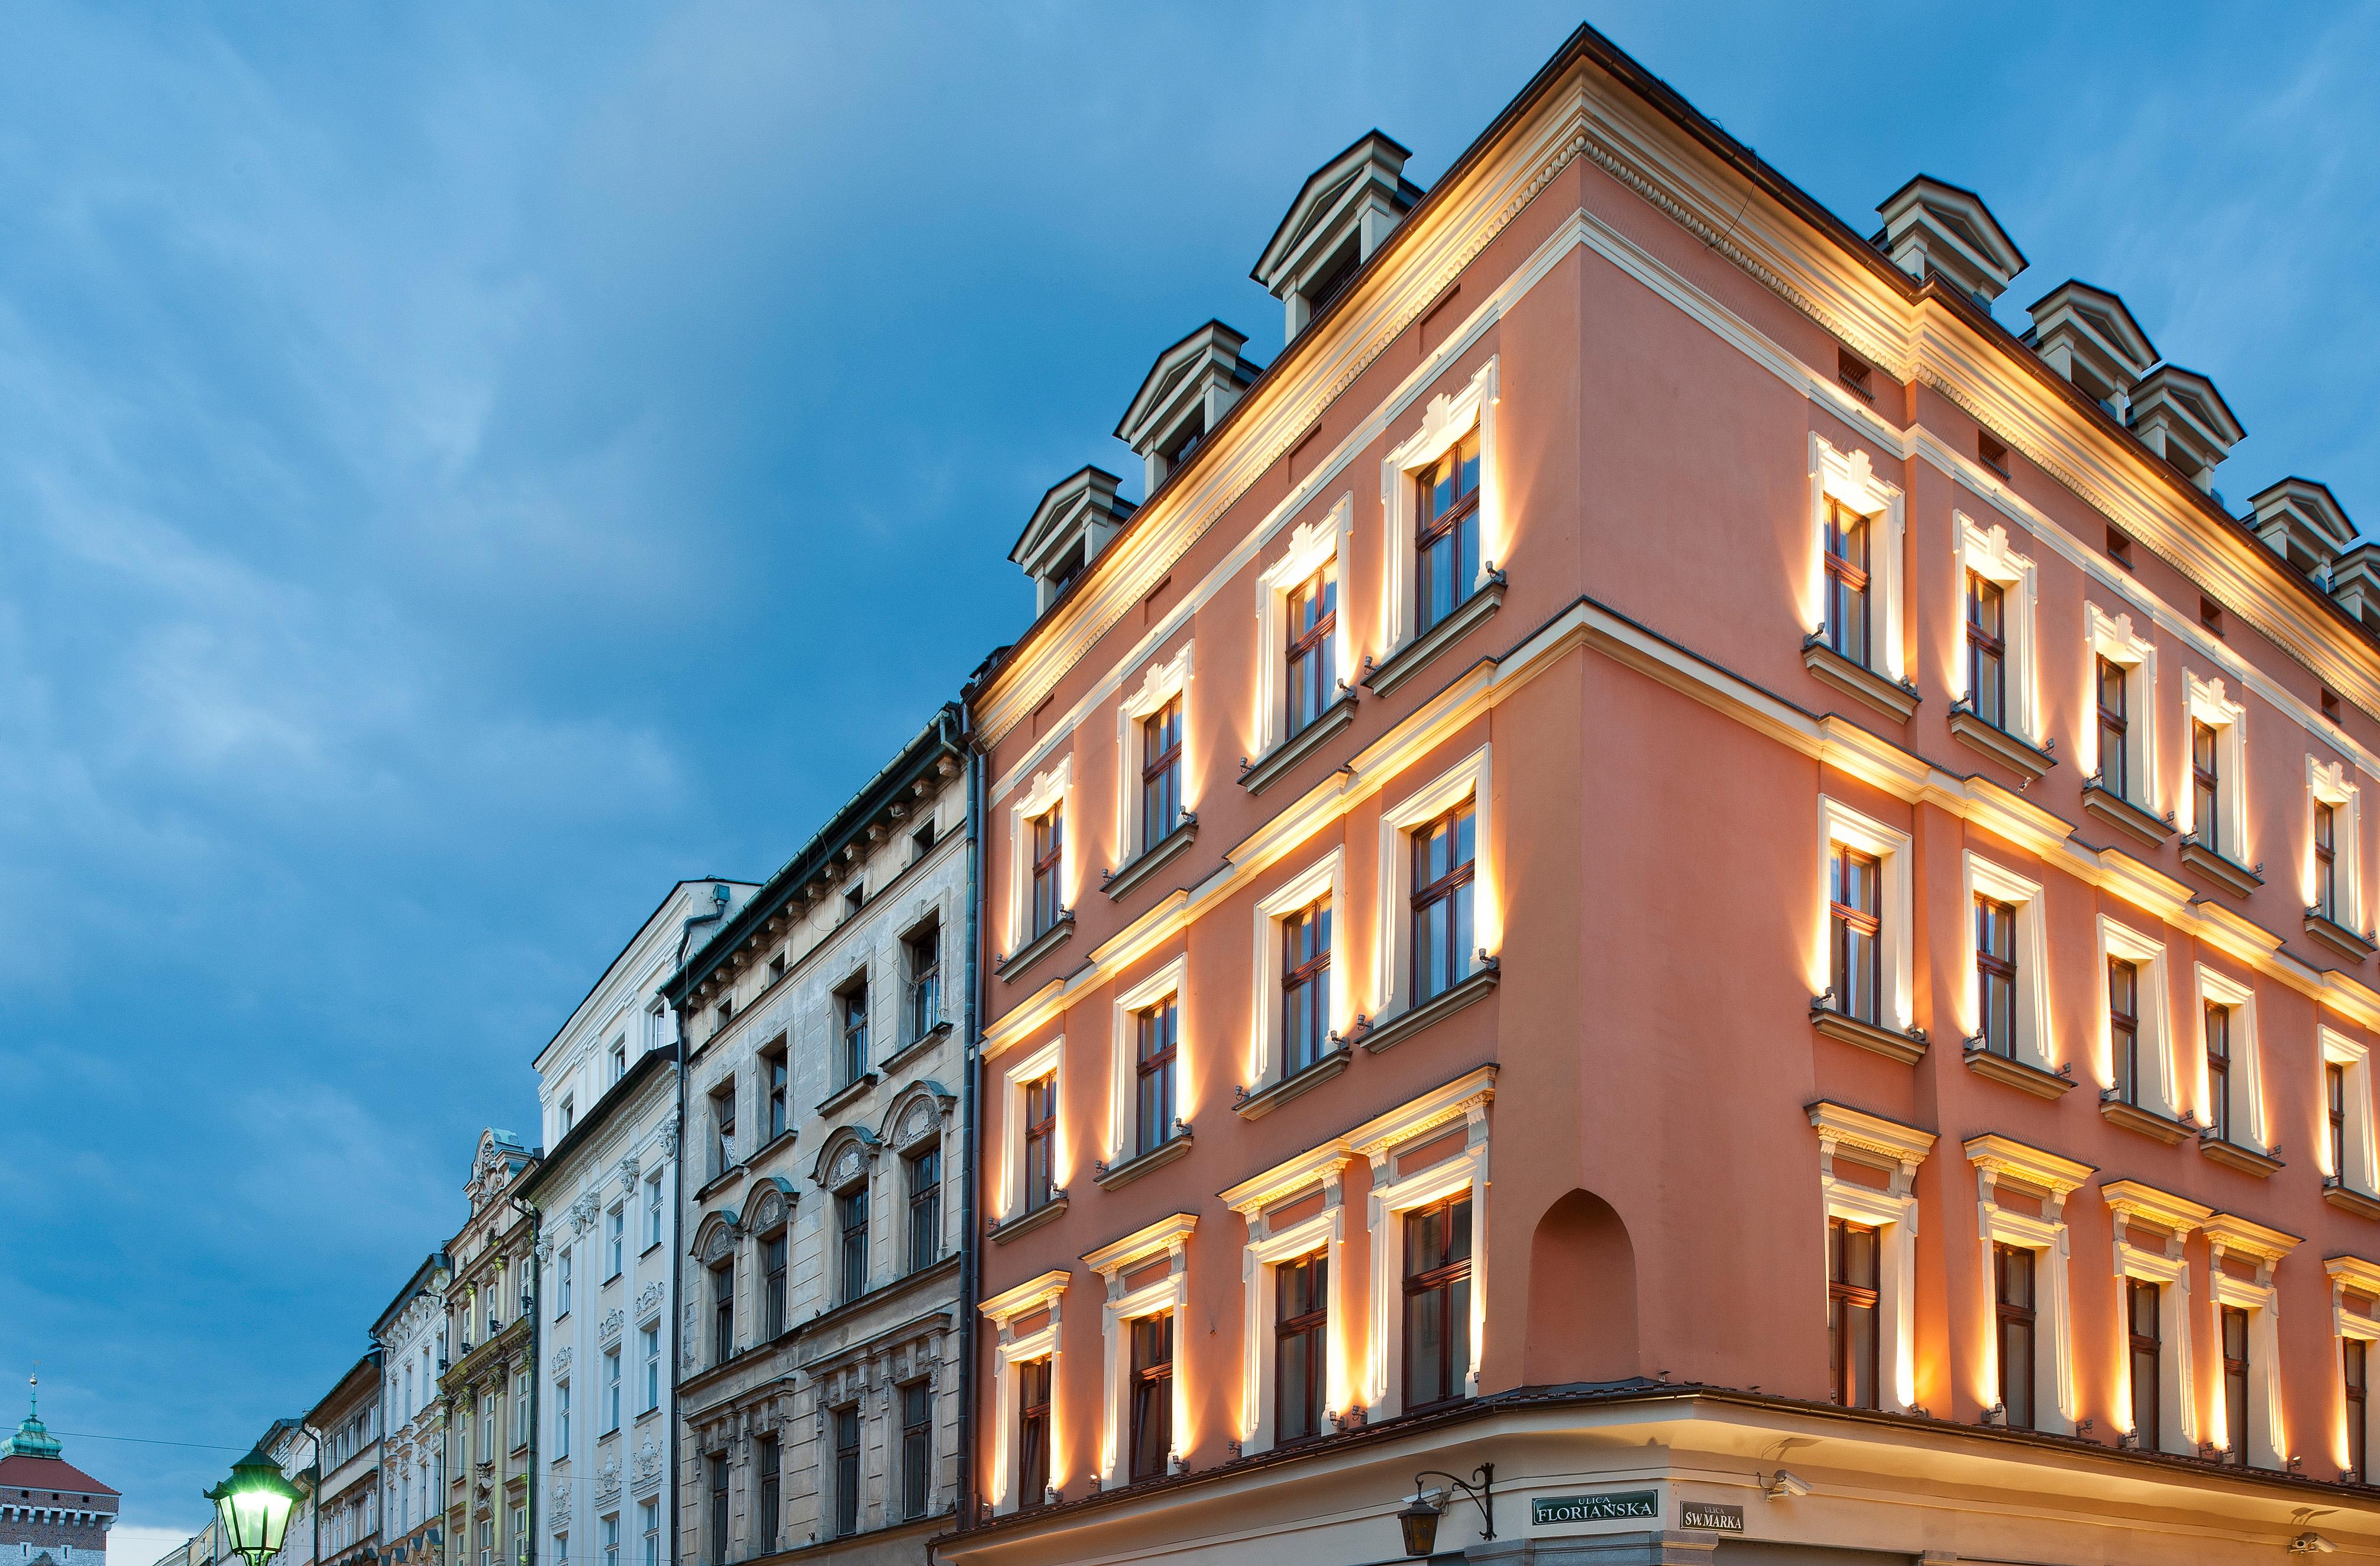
(533, 1302)
(970, 1227)
(678, 1204)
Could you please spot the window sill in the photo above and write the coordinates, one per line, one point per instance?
(2337, 937)
(1264, 1100)
(2018, 1075)
(781, 1140)
(2001, 746)
(717, 1181)
(813, 1351)
(2227, 873)
(2125, 816)
(848, 1093)
(1001, 1234)
(1907, 1048)
(2247, 1160)
(1041, 946)
(2148, 1123)
(1411, 659)
(1378, 1035)
(1109, 1176)
(925, 1041)
(1154, 858)
(1897, 699)
(2348, 1201)
(1274, 764)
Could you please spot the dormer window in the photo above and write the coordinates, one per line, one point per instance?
(1074, 522)
(2304, 522)
(2178, 415)
(1936, 230)
(1343, 212)
(2086, 335)
(1185, 396)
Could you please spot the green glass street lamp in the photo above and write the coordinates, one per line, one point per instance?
(253, 1507)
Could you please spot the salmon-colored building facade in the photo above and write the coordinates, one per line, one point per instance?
(1667, 860)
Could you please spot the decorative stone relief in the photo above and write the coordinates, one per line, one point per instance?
(669, 1138)
(561, 1359)
(628, 1173)
(649, 1299)
(648, 1459)
(607, 1480)
(607, 1330)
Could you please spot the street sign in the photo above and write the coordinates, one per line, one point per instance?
(1617, 1506)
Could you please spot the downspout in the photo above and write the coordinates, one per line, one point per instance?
(970, 1237)
(533, 1302)
(678, 1204)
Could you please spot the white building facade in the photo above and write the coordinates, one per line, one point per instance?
(411, 1334)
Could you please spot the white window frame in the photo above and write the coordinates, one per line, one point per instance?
(562, 1418)
(1839, 823)
(1050, 790)
(2261, 1299)
(1472, 777)
(2330, 783)
(2206, 703)
(1324, 1231)
(1167, 1239)
(1169, 681)
(2053, 1397)
(2353, 1274)
(2160, 1091)
(1048, 1061)
(2353, 1166)
(2248, 1111)
(1446, 419)
(1850, 477)
(2114, 639)
(615, 1391)
(1326, 540)
(1030, 1297)
(1984, 552)
(1327, 876)
(1462, 1102)
(1986, 878)
(1897, 1149)
(2168, 1267)
(1124, 1075)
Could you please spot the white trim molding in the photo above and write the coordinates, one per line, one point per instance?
(1896, 1006)
(2247, 1074)
(1046, 1062)
(2151, 1227)
(1327, 876)
(1448, 417)
(2330, 782)
(1469, 778)
(2353, 1166)
(1875, 1143)
(1164, 682)
(2159, 1086)
(1052, 790)
(1850, 477)
(1983, 878)
(1327, 540)
(2229, 1234)
(1124, 1058)
(2050, 1178)
(2204, 702)
(1029, 1298)
(1459, 1105)
(1165, 1241)
(1263, 1202)
(1985, 551)
(2114, 639)
(2352, 1275)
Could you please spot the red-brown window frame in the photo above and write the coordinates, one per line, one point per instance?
(1992, 967)
(1039, 1128)
(1313, 1326)
(1847, 919)
(1160, 773)
(1845, 1294)
(2218, 1030)
(1984, 644)
(1848, 578)
(2124, 1028)
(1311, 651)
(1297, 1053)
(1048, 868)
(1464, 511)
(1444, 889)
(2115, 727)
(2207, 785)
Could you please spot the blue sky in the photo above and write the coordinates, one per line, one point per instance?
(463, 468)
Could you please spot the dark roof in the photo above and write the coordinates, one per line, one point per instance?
(366, 1369)
(47, 1474)
(589, 1123)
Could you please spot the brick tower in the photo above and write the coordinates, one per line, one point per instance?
(50, 1511)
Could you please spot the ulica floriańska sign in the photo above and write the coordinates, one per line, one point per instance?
(1616, 1507)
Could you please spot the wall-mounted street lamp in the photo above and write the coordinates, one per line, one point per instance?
(1419, 1519)
(253, 1506)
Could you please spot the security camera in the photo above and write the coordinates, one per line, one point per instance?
(1783, 1486)
(2312, 1543)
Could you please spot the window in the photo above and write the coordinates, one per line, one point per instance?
(1436, 1301)
(2217, 792)
(649, 1524)
(776, 966)
(608, 1531)
(1152, 1395)
(2121, 754)
(846, 1470)
(1847, 582)
(562, 1283)
(2013, 1279)
(773, 1071)
(1049, 861)
(487, 1543)
(2347, 1100)
(1854, 1291)
(772, 1286)
(1855, 374)
(2219, 1070)
(520, 1409)
(851, 1022)
(1996, 975)
(2120, 548)
(2334, 805)
(561, 1419)
(2333, 1086)
(921, 841)
(765, 1510)
(925, 1181)
(488, 1427)
(2115, 726)
(1160, 772)
(1032, 1432)
(2145, 1337)
(520, 1535)
(1306, 986)
(2235, 1385)
(851, 1226)
(1987, 649)
(1447, 544)
(615, 1240)
(2210, 614)
(2233, 1110)
(2330, 710)
(1855, 902)
(650, 1340)
(1991, 453)
(722, 1312)
(1158, 1030)
(1313, 616)
(917, 1448)
(723, 1124)
(2206, 783)
(1040, 1126)
(1444, 862)
(718, 1466)
(922, 957)
(560, 1548)
(619, 1069)
(1301, 1361)
(653, 1211)
(611, 1389)
(2356, 1384)
(2325, 860)
(2124, 1028)
(569, 1115)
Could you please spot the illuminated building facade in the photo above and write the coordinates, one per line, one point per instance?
(1665, 858)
